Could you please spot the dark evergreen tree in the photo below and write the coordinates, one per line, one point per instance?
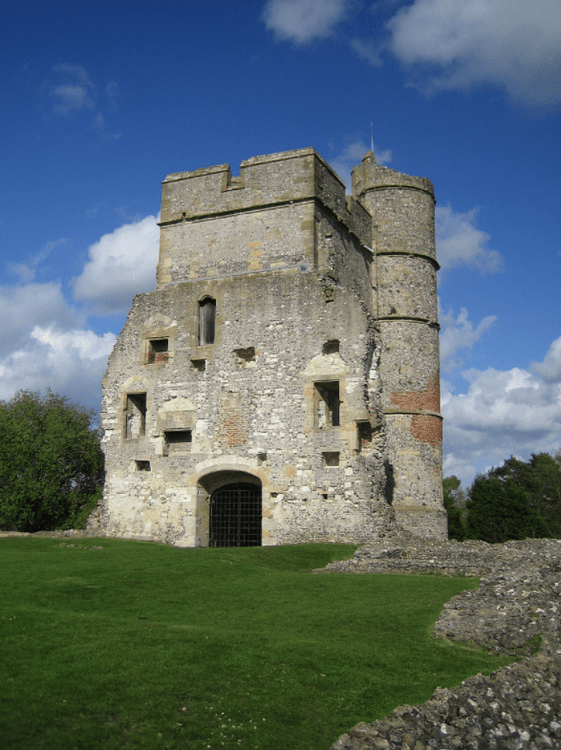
(499, 510)
(51, 463)
(453, 500)
(540, 478)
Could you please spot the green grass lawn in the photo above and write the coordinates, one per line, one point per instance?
(146, 646)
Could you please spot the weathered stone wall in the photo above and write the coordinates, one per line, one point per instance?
(303, 389)
(406, 309)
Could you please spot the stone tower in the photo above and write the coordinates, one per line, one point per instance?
(281, 384)
(406, 310)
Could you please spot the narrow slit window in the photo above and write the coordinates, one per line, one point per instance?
(327, 403)
(136, 415)
(207, 320)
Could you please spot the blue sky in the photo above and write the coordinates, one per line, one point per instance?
(100, 102)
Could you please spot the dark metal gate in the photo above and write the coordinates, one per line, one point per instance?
(235, 516)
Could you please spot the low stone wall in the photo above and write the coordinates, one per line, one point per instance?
(515, 611)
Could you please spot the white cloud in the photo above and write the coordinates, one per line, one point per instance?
(69, 89)
(68, 362)
(460, 243)
(43, 344)
(300, 21)
(550, 369)
(121, 265)
(22, 307)
(513, 412)
(515, 44)
(352, 154)
(459, 335)
(369, 50)
(448, 44)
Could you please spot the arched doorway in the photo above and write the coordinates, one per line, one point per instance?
(235, 516)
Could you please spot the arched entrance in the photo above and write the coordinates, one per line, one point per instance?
(235, 515)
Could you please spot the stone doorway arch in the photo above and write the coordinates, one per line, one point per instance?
(235, 516)
(230, 509)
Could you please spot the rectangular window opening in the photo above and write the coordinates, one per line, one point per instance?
(136, 415)
(158, 351)
(143, 465)
(177, 441)
(331, 458)
(326, 404)
(364, 435)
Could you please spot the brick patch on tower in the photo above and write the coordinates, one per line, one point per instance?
(427, 399)
(427, 429)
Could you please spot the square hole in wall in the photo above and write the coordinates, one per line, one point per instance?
(177, 441)
(261, 459)
(142, 465)
(158, 351)
(330, 458)
(331, 346)
(199, 364)
(245, 356)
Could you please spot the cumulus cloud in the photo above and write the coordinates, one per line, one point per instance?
(352, 154)
(458, 335)
(514, 44)
(447, 45)
(460, 243)
(300, 21)
(513, 412)
(120, 265)
(44, 344)
(22, 307)
(69, 362)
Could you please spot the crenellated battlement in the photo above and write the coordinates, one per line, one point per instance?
(264, 182)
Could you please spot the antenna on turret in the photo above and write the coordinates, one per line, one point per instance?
(372, 137)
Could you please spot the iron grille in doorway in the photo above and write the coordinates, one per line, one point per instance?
(235, 516)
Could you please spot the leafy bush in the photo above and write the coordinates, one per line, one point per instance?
(51, 463)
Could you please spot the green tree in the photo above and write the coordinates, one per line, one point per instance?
(499, 510)
(454, 501)
(51, 463)
(540, 478)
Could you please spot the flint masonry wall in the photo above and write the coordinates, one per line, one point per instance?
(287, 394)
(406, 309)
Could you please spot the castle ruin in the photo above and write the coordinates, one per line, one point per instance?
(281, 385)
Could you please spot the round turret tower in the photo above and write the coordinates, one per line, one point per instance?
(405, 305)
